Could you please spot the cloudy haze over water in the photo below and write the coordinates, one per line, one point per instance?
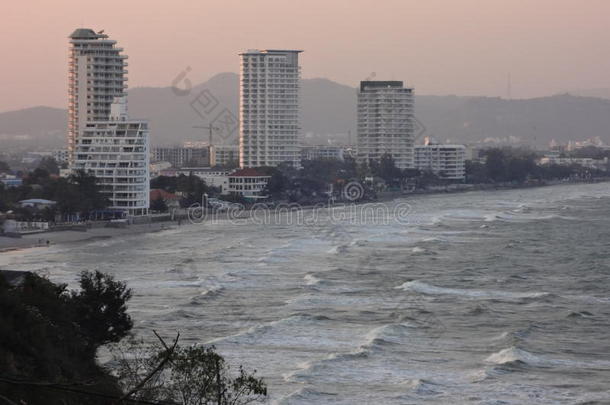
(440, 47)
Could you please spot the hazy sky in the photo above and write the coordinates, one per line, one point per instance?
(462, 47)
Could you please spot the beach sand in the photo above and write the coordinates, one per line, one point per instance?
(61, 237)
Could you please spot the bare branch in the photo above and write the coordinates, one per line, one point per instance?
(160, 366)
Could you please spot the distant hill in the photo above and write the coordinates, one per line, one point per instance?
(599, 93)
(329, 112)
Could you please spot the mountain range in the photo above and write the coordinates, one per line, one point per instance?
(328, 114)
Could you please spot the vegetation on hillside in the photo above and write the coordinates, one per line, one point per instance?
(49, 337)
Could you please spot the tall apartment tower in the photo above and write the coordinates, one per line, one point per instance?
(102, 139)
(385, 122)
(269, 108)
(96, 76)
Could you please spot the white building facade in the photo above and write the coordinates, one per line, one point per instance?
(446, 161)
(248, 183)
(96, 75)
(200, 156)
(269, 107)
(102, 139)
(386, 122)
(322, 152)
(116, 151)
(226, 155)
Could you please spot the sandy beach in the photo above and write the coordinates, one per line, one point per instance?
(61, 237)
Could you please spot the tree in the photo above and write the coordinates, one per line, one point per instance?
(41, 340)
(496, 165)
(200, 376)
(167, 183)
(101, 308)
(4, 167)
(158, 205)
(88, 192)
(194, 375)
(388, 171)
(49, 164)
(192, 187)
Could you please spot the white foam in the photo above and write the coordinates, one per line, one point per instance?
(429, 289)
(514, 354)
(310, 279)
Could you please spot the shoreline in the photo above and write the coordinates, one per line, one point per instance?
(60, 237)
(38, 240)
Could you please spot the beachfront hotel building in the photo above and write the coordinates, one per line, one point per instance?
(96, 75)
(446, 161)
(269, 108)
(385, 122)
(116, 151)
(102, 139)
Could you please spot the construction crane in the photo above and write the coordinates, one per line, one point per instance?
(210, 128)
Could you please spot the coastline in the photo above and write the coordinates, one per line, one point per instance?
(58, 237)
(8, 244)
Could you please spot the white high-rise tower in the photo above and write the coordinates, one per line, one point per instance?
(385, 122)
(96, 76)
(269, 107)
(102, 139)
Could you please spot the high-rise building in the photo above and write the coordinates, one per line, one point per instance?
(96, 76)
(102, 139)
(116, 152)
(269, 108)
(385, 122)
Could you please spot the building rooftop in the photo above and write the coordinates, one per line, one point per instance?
(380, 84)
(259, 51)
(87, 33)
(37, 201)
(249, 172)
(157, 193)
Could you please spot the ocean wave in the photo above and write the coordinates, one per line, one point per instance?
(312, 280)
(256, 332)
(385, 335)
(309, 395)
(421, 386)
(428, 289)
(206, 294)
(374, 341)
(515, 356)
(336, 250)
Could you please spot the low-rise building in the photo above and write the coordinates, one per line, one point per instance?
(589, 163)
(10, 180)
(180, 156)
(248, 183)
(37, 203)
(157, 167)
(61, 156)
(226, 155)
(322, 152)
(171, 200)
(218, 178)
(446, 161)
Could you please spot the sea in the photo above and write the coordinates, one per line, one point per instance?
(495, 297)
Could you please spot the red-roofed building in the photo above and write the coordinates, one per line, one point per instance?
(248, 183)
(171, 200)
